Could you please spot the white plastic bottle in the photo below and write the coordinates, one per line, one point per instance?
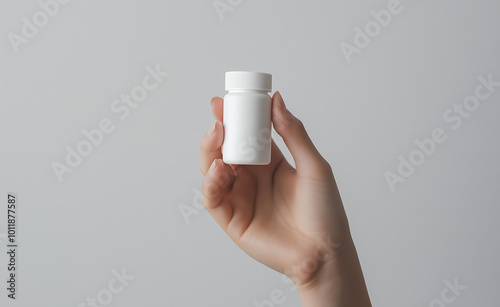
(247, 118)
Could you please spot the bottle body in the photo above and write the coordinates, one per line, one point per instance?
(247, 127)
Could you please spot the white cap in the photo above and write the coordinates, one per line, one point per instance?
(248, 80)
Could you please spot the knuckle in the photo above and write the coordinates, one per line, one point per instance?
(203, 143)
(297, 125)
(324, 168)
(292, 124)
(222, 179)
(210, 192)
(327, 166)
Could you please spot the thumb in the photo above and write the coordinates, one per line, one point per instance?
(308, 160)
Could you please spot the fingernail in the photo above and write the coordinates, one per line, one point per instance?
(212, 167)
(236, 169)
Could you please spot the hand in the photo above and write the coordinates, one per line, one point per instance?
(290, 219)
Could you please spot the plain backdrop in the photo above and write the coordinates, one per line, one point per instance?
(120, 208)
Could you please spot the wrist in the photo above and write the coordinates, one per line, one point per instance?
(338, 282)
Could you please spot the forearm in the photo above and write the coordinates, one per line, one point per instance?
(339, 283)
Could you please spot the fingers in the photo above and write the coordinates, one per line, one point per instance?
(216, 185)
(308, 160)
(212, 141)
(242, 198)
(217, 107)
(210, 146)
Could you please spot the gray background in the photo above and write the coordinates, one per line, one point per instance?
(120, 207)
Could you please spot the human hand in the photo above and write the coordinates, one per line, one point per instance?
(290, 219)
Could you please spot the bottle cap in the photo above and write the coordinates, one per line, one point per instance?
(248, 80)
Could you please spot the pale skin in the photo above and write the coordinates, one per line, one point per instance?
(289, 219)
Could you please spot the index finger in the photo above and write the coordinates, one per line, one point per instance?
(217, 104)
